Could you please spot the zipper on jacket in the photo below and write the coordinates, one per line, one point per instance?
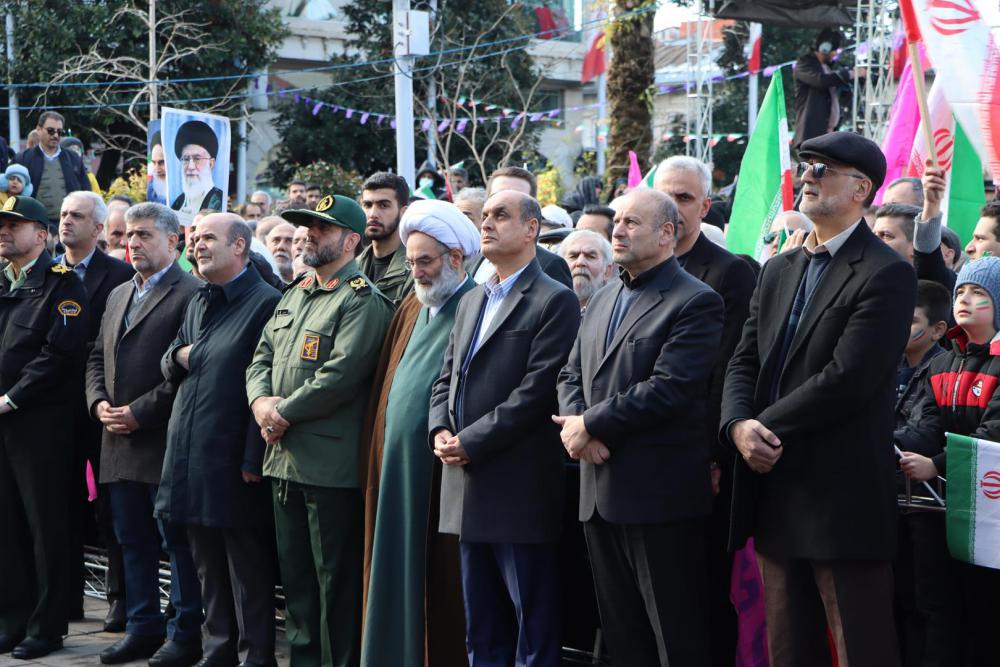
(958, 381)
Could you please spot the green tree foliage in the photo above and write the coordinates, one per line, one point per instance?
(630, 81)
(53, 35)
(490, 74)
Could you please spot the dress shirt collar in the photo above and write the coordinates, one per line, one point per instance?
(833, 245)
(85, 262)
(53, 156)
(142, 288)
(646, 276)
(498, 289)
(8, 272)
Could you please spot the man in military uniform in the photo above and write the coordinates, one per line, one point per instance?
(44, 323)
(308, 387)
(384, 197)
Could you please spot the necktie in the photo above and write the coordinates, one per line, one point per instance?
(807, 287)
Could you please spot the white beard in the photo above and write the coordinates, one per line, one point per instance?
(440, 290)
(194, 193)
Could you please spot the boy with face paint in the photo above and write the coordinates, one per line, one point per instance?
(930, 323)
(950, 599)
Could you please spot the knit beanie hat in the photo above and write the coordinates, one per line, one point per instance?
(21, 172)
(983, 272)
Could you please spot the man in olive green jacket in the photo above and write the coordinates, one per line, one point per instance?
(308, 387)
(384, 197)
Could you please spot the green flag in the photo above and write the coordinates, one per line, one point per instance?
(765, 184)
(965, 188)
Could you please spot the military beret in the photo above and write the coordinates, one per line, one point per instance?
(25, 208)
(198, 133)
(333, 210)
(850, 149)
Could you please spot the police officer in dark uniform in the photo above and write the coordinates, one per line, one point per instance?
(43, 330)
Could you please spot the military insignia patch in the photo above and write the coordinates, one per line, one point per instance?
(310, 347)
(69, 308)
(10, 204)
(325, 203)
(333, 283)
(306, 282)
(60, 268)
(358, 283)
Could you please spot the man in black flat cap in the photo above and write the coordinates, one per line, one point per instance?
(196, 146)
(808, 405)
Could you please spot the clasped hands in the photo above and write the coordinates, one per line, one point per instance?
(116, 420)
(579, 444)
(272, 424)
(448, 448)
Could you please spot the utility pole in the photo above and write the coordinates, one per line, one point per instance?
(241, 155)
(154, 109)
(410, 35)
(12, 113)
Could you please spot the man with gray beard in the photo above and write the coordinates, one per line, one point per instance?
(589, 257)
(279, 244)
(405, 563)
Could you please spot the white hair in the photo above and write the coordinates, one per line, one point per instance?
(807, 224)
(267, 197)
(475, 194)
(688, 163)
(603, 246)
(100, 213)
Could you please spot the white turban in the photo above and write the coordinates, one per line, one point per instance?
(443, 221)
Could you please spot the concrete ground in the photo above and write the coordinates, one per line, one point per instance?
(87, 639)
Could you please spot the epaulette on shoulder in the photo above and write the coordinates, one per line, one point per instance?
(360, 286)
(60, 269)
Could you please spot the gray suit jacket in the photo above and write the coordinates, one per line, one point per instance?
(512, 490)
(645, 397)
(124, 369)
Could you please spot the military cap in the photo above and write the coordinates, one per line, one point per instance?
(850, 149)
(198, 133)
(25, 208)
(333, 210)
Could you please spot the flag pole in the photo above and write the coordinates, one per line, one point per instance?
(913, 38)
(921, 90)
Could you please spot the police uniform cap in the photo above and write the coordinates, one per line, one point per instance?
(25, 208)
(849, 149)
(198, 133)
(333, 210)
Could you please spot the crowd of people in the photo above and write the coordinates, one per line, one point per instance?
(420, 416)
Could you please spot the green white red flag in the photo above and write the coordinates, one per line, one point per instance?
(961, 37)
(765, 185)
(972, 516)
(960, 161)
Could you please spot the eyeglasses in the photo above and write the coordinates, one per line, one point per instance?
(54, 131)
(819, 170)
(197, 159)
(423, 262)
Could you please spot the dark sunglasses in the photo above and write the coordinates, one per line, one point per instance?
(819, 170)
(54, 132)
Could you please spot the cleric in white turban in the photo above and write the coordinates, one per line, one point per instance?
(398, 481)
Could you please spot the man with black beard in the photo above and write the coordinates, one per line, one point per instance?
(384, 197)
(589, 257)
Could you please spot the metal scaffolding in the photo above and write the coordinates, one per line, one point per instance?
(876, 26)
(699, 87)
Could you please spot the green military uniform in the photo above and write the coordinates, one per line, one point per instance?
(44, 330)
(318, 352)
(397, 281)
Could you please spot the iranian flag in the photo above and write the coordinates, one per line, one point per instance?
(961, 38)
(960, 161)
(973, 512)
(765, 185)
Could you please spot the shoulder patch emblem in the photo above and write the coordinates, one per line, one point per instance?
(310, 347)
(358, 284)
(325, 203)
(60, 268)
(10, 204)
(69, 308)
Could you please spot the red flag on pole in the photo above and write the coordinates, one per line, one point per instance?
(910, 24)
(753, 58)
(593, 62)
